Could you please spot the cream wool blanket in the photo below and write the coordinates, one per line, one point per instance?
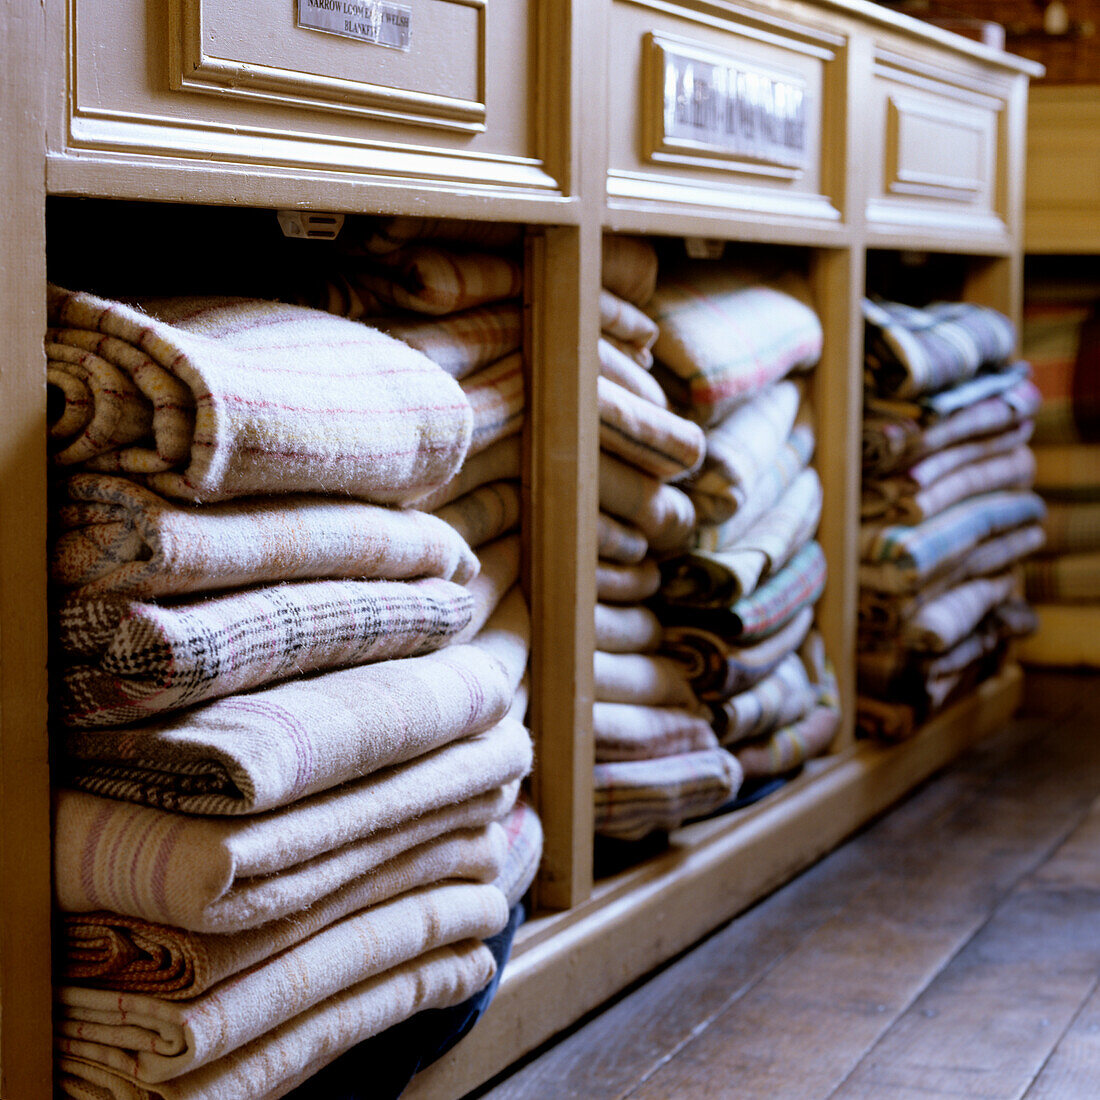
(618, 583)
(523, 852)
(499, 574)
(619, 542)
(154, 1040)
(642, 679)
(782, 697)
(630, 731)
(219, 874)
(107, 950)
(629, 268)
(661, 512)
(624, 369)
(501, 461)
(119, 537)
(387, 234)
(497, 397)
(267, 748)
(484, 514)
(626, 323)
(272, 1064)
(134, 660)
(626, 629)
(247, 397)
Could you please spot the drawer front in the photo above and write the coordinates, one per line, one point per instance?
(937, 159)
(436, 89)
(705, 111)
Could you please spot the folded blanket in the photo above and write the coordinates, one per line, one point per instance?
(497, 398)
(620, 542)
(624, 369)
(720, 577)
(121, 538)
(726, 511)
(625, 322)
(484, 514)
(132, 660)
(792, 745)
(645, 435)
(498, 574)
(1072, 528)
(893, 441)
(901, 559)
(780, 698)
(637, 797)
(631, 731)
(384, 235)
(718, 670)
(885, 721)
(273, 1063)
(218, 874)
(779, 599)
(523, 839)
(914, 351)
(236, 408)
(626, 629)
(641, 679)
(461, 343)
(501, 461)
(265, 749)
(426, 279)
(725, 334)
(629, 268)
(154, 1040)
(933, 406)
(945, 621)
(105, 950)
(662, 513)
(641, 357)
(617, 583)
(1063, 579)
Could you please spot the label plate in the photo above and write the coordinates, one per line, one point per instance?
(378, 22)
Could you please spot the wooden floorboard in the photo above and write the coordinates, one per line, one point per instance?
(792, 997)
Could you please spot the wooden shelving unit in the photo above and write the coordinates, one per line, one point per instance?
(547, 113)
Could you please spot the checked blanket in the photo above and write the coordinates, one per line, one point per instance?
(270, 1065)
(629, 268)
(725, 334)
(633, 731)
(913, 351)
(245, 397)
(212, 874)
(105, 950)
(663, 514)
(616, 583)
(636, 797)
(132, 660)
(156, 1040)
(119, 537)
(270, 747)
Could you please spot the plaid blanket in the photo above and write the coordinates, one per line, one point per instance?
(118, 537)
(617, 583)
(382, 235)
(943, 622)
(914, 351)
(661, 512)
(500, 461)
(780, 698)
(629, 731)
(105, 950)
(268, 748)
(523, 839)
(930, 407)
(629, 268)
(903, 559)
(1072, 527)
(894, 441)
(237, 409)
(497, 397)
(132, 660)
(643, 679)
(484, 514)
(154, 1040)
(623, 368)
(461, 343)
(718, 669)
(619, 542)
(626, 629)
(213, 874)
(1065, 578)
(726, 334)
(626, 322)
(637, 797)
(653, 439)
(273, 1063)
(797, 585)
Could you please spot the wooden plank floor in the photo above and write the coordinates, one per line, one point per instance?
(950, 949)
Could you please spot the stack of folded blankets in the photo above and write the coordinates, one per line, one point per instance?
(289, 697)
(737, 600)
(1062, 341)
(947, 511)
(657, 761)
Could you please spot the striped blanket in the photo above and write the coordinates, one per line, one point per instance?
(631, 731)
(725, 334)
(523, 840)
(618, 541)
(119, 537)
(106, 950)
(643, 679)
(623, 368)
(943, 622)
(272, 1064)
(661, 512)
(626, 629)
(629, 268)
(380, 236)
(940, 404)
(617, 583)
(497, 397)
(213, 874)
(233, 406)
(626, 324)
(132, 660)
(154, 1040)
(484, 514)
(780, 698)
(914, 351)
(637, 797)
(270, 747)
(500, 461)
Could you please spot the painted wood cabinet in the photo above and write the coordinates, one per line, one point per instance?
(894, 138)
